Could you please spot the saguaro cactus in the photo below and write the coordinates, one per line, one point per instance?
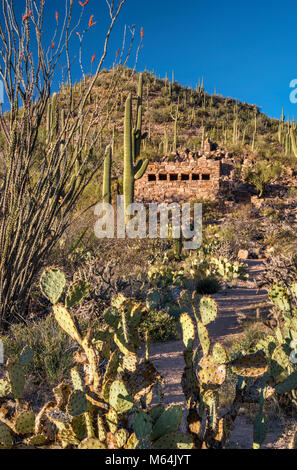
(131, 172)
(254, 134)
(281, 129)
(293, 141)
(235, 124)
(175, 118)
(106, 191)
(137, 135)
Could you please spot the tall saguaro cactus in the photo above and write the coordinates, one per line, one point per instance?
(106, 192)
(281, 129)
(175, 118)
(137, 135)
(293, 142)
(254, 134)
(131, 172)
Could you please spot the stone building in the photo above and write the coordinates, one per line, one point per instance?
(180, 180)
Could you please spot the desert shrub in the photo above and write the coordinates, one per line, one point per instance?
(251, 336)
(281, 270)
(237, 232)
(293, 192)
(160, 326)
(208, 285)
(262, 174)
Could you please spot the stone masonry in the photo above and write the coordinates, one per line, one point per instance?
(180, 180)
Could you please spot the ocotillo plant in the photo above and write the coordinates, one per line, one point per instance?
(106, 191)
(131, 172)
(40, 189)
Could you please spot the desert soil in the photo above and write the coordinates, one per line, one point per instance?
(233, 303)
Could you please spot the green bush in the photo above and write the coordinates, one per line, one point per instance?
(160, 326)
(208, 286)
(262, 174)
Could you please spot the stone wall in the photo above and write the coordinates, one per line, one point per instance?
(179, 181)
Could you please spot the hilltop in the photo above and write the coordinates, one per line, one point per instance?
(176, 118)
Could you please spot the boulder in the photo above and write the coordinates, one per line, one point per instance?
(243, 254)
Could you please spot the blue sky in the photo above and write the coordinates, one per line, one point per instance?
(247, 50)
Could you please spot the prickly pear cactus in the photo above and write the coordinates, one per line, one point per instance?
(119, 397)
(6, 441)
(280, 362)
(112, 420)
(77, 404)
(289, 384)
(25, 423)
(208, 310)
(76, 293)
(219, 354)
(142, 424)
(91, 443)
(175, 440)
(76, 379)
(260, 431)
(168, 422)
(211, 373)
(121, 437)
(67, 322)
(26, 357)
(203, 337)
(280, 298)
(252, 365)
(153, 299)
(188, 330)
(5, 388)
(16, 379)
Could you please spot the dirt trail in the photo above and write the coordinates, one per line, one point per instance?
(168, 357)
(235, 301)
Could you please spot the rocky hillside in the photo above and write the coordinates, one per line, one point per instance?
(178, 119)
